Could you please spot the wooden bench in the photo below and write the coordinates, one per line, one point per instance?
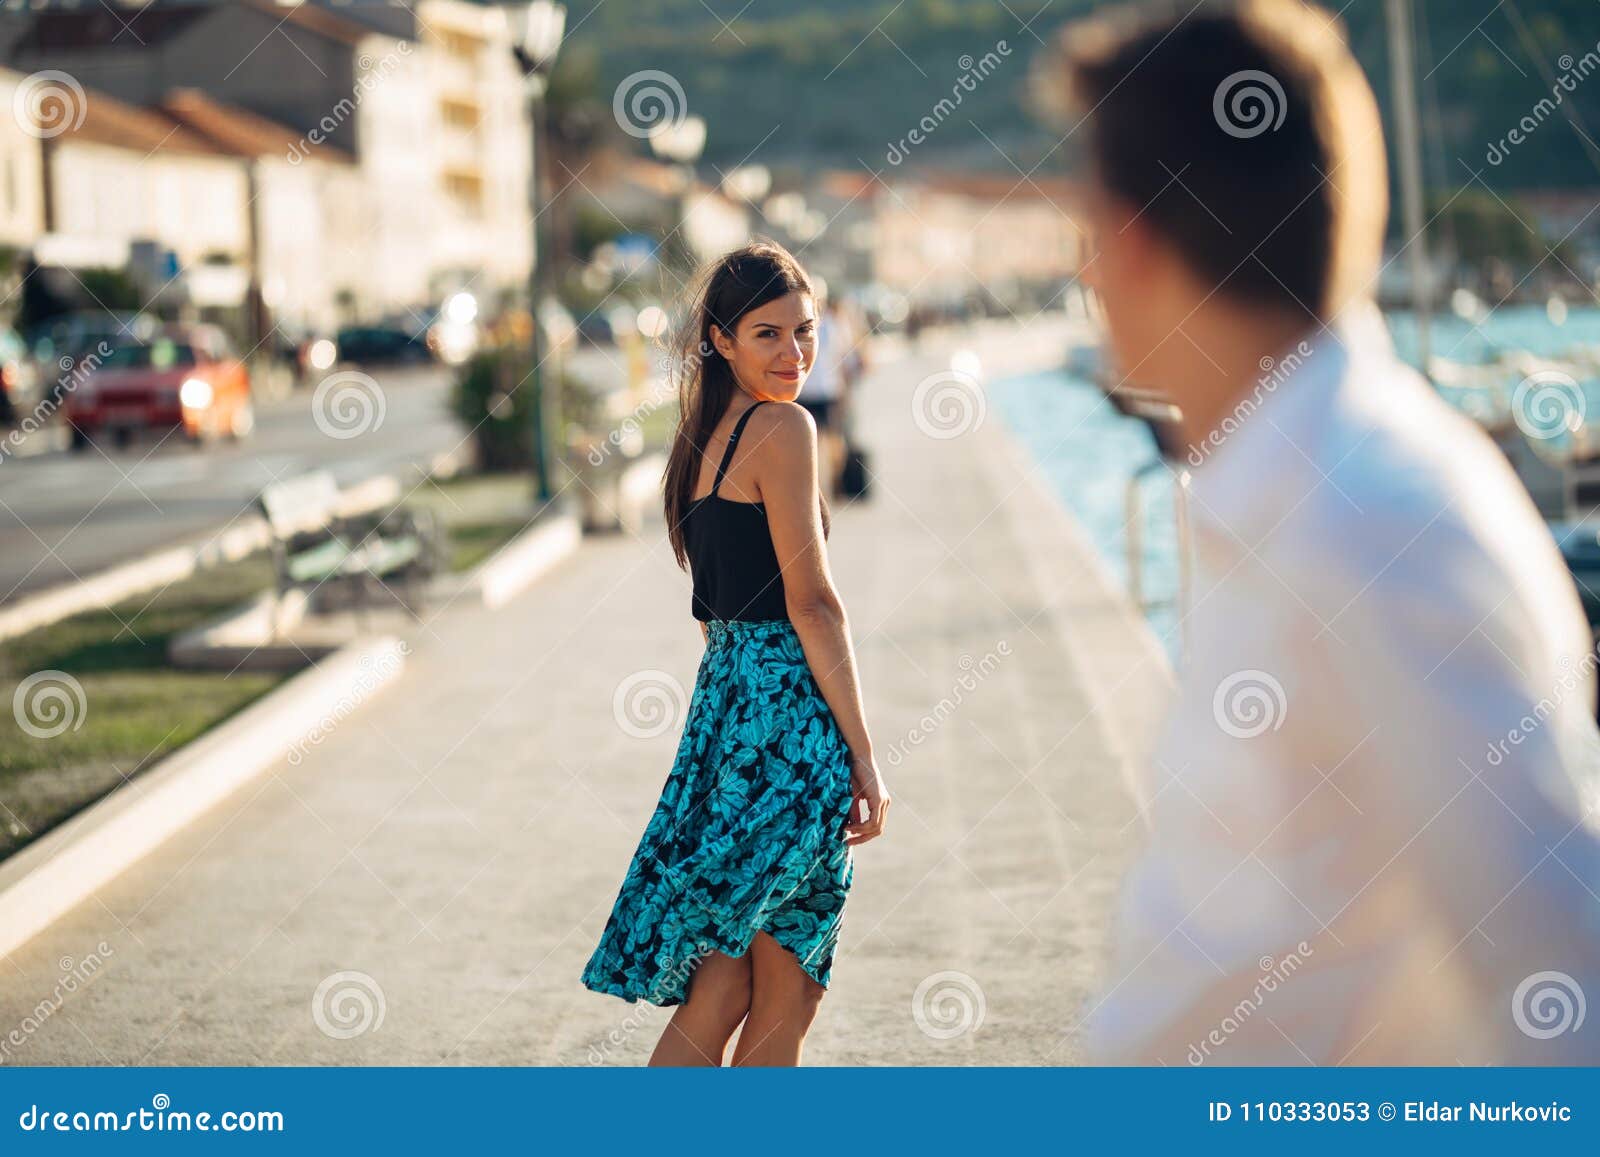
(315, 547)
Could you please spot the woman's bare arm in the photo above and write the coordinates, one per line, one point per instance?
(787, 477)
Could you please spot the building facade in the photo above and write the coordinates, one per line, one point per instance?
(409, 127)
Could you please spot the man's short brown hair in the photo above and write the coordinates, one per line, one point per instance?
(1247, 135)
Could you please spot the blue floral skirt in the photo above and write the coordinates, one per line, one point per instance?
(749, 834)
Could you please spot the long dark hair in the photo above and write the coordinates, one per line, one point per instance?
(725, 290)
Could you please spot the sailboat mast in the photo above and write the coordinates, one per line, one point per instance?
(1402, 69)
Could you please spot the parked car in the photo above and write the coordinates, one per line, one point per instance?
(382, 344)
(185, 377)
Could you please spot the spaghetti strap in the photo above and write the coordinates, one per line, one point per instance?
(733, 440)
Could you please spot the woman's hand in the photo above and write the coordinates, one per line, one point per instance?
(867, 789)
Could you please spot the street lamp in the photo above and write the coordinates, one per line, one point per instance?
(536, 32)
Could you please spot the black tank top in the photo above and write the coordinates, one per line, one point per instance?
(735, 569)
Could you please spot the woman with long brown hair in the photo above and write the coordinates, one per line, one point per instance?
(731, 907)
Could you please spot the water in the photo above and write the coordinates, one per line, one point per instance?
(1511, 327)
(1088, 453)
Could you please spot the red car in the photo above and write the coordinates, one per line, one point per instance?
(184, 377)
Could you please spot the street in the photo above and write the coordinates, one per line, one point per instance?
(66, 515)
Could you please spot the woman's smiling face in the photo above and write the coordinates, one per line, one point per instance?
(772, 348)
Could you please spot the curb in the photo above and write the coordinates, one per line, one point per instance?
(513, 568)
(246, 638)
(171, 564)
(516, 565)
(53, 874)
(1117, 656)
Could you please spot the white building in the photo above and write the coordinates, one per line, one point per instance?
(21, 172)
(427, 103)
(308, 242)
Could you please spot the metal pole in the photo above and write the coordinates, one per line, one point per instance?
(1402, 68)
(536, 286)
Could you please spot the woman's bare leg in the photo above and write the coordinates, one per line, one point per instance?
(718, 999)
(782, 1007)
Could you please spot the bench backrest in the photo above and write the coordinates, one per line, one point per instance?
(302, 503)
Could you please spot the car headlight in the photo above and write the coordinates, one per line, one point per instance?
(195, 393)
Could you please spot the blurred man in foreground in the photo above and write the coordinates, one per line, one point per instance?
(1372, 813)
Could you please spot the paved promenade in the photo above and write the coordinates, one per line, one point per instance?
(454, 847)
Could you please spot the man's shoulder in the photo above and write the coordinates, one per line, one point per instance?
(1413, 492)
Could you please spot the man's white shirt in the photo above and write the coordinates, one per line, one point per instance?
(1372, 816)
